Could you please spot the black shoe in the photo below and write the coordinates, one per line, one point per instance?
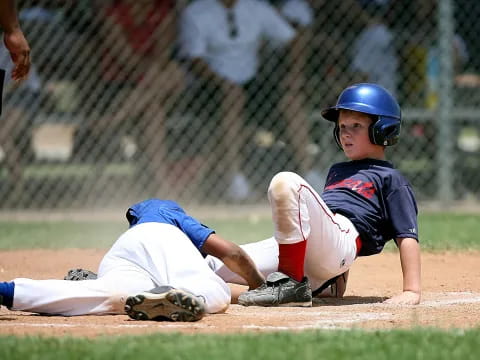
(169, 304)
(279, 290)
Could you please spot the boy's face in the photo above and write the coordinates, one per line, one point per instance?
(354, 137)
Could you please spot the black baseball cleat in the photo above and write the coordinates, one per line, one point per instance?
(279, 290)
(165, 303)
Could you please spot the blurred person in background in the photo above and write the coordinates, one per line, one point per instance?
(293, 104)
(49, 90)
(221, 41)
(15, 58)
(14, 39)
(140, 81)
(427, 11)
(334, 26)
(417, 26)
(374, 53)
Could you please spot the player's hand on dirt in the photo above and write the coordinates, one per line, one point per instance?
(405, 298)
(19, 50)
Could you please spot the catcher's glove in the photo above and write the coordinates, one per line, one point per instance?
(80, 274)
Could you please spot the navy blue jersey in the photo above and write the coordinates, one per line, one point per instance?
(376, 198)
(169, 212)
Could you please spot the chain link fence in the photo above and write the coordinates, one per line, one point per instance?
(123, 103)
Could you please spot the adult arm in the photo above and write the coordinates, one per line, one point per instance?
(14, 40)
(235, 258)
(411, 270)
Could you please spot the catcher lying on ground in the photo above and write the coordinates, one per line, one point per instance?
(154, 271)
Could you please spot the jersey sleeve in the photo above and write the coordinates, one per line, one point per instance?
(196, 231)
(402, 210)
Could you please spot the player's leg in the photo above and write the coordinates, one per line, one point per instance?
(105, 295)
(301, 217)
(312, 242)
(264, 254)
(70, 298)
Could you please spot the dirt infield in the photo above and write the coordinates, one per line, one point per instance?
(451, 299)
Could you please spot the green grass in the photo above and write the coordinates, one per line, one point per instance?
(447, 231)
(438, 232)
(70, 234)
(398, 344)
(61, 234)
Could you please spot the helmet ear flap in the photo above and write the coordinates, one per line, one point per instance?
(385, 131)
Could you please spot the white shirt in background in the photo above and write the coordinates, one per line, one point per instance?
(206, 33)
(374, 55)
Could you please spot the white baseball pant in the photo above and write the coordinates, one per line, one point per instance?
(145, 256)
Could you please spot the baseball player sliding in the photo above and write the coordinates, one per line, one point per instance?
(155, 270)
(365, 203)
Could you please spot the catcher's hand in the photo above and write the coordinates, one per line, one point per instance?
(80, 274)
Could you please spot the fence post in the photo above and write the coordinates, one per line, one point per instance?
(445, 138)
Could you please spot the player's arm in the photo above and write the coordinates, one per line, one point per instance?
(14, 39)
(235, 258)
(411, 269)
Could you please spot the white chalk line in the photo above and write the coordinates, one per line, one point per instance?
(465, 298)
(426, 303)
(334, 321)
(331, 323)
(338, 319)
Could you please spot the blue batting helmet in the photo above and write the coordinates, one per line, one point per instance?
(374, 100)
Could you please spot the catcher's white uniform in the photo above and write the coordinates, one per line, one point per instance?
(161, 248)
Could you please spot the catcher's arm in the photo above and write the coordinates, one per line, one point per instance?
(235, 258)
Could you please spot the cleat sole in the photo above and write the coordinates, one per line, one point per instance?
(174, 305)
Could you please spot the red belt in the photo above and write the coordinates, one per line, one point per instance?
(358, 241)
